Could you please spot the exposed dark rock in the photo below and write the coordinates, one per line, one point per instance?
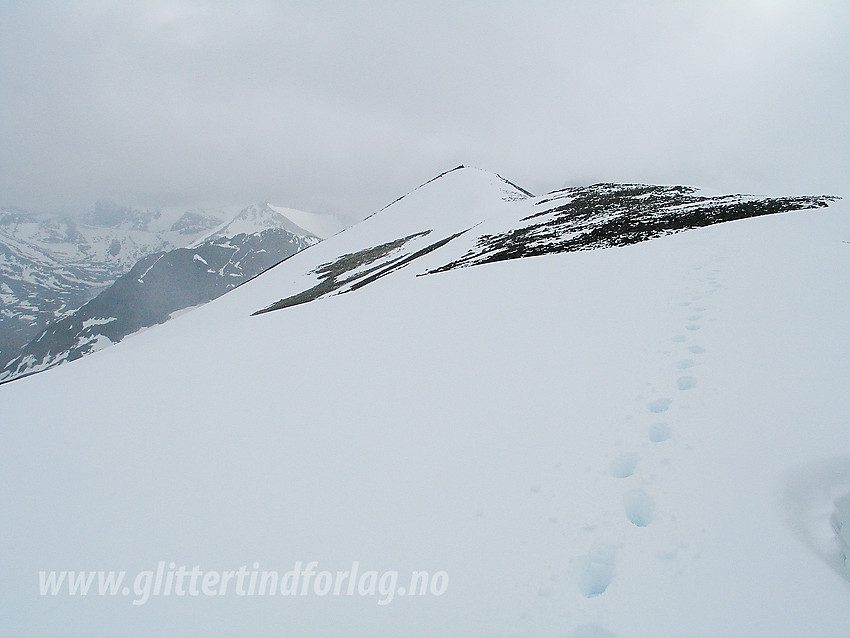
(606, 215)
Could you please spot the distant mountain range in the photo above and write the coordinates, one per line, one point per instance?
(69, 286)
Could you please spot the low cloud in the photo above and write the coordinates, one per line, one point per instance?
(342, 107)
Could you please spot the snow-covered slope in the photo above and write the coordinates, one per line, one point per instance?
(322, 226)
(50, 265)
(645, 440)
(258, 217)
(155, 288)
(111, 234)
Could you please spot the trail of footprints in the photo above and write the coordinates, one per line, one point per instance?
(595, 571)
(597, 568)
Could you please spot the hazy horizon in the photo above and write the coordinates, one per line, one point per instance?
(332, 107)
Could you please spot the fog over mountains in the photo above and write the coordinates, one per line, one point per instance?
(71, 285)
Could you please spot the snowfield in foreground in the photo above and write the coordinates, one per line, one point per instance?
(650, 440)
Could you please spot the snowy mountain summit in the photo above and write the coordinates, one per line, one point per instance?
(167, 282)
(259, 217)
(51, 264)
(467, 217)
(610, 410)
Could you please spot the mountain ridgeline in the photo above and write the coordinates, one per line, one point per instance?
(117, 303)
(154, 289)
(50, 265)
(584, 409)
(592, 217)
(463, 217)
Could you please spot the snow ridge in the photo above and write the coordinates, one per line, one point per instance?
(631, 414)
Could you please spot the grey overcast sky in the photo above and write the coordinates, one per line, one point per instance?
(343, 106)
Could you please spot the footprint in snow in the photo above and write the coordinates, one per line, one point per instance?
(639, 507)
(696, 349)
(692, 326)
(686, 383)
(684, 364)
(596, 571)
(659, 405)
(624, 465)
(694, 317)
(660, 432)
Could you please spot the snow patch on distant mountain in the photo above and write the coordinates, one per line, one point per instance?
(264, 216)
(322, 226)
(156, 288)
(50, 265)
